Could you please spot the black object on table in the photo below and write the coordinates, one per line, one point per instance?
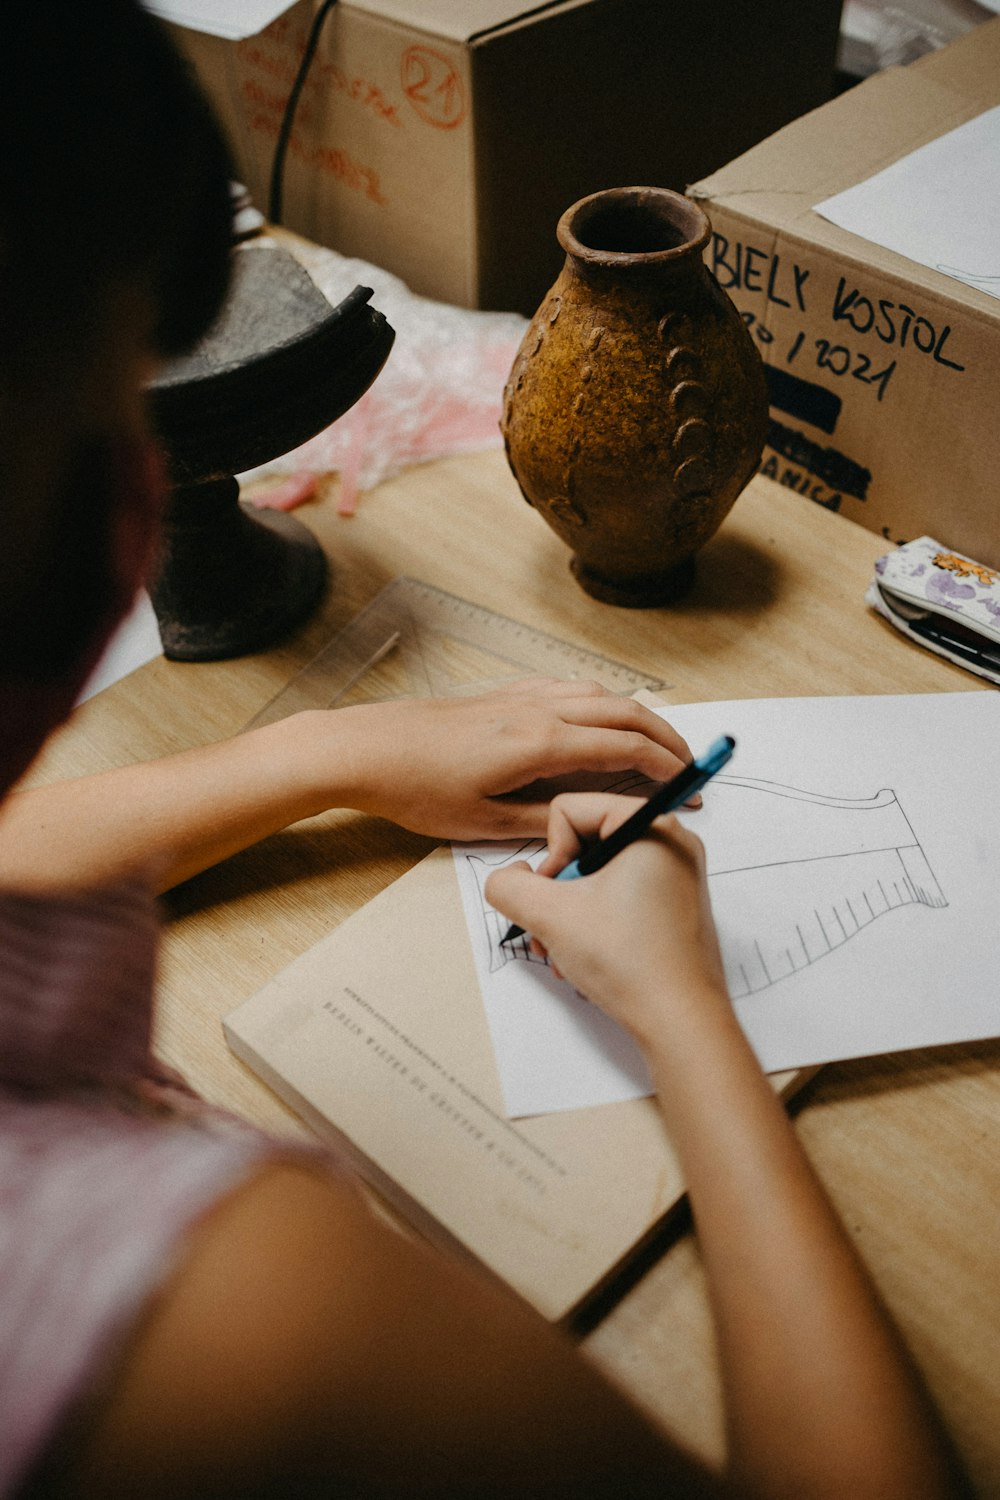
(280, 364)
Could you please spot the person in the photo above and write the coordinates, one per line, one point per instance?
(188, 1307)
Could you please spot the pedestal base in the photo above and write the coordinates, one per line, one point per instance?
(232, 579)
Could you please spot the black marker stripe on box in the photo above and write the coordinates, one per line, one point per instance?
(803, 399)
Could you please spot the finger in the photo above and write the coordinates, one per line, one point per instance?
(514, 892)
(577, 818)
(555, 687)
(613, 712)
(515, 819)
(578, 749)
(680, 839)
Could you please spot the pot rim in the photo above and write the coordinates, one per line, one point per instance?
(673, 209)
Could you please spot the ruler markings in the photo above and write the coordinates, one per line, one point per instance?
(433, 628)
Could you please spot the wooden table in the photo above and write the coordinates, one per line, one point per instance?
(909, 1146)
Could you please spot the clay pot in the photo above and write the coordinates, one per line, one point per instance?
(636, 408)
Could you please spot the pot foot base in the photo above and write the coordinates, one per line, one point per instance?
(644, 591)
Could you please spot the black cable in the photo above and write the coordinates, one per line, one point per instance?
(287, 120)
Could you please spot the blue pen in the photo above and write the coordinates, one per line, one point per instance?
(669, 797)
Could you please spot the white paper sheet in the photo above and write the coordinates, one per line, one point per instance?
(853, 850)
(232, 19)
(136, 641)
(940, 205)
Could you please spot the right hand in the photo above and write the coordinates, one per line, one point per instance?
(636, 937)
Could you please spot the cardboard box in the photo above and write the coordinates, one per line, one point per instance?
(442, 139)
(883, 372)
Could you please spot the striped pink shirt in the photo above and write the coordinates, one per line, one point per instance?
(106, 1159)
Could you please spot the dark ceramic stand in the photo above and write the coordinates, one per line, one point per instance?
(232, 579)
(280, 365)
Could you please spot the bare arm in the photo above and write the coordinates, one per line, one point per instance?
(307, 1349)
(444, 767)
(821, 1397)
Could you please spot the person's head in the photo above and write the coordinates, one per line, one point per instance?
(115, 235)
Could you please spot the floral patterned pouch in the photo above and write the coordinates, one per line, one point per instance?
(943, 601)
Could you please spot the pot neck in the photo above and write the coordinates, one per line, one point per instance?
(623, 276)
(634, 236)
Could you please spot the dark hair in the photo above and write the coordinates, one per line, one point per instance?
(113, 175)
(111, 167)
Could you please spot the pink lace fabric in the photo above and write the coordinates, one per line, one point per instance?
(106, 1158)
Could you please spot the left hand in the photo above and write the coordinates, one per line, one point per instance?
(476, 768)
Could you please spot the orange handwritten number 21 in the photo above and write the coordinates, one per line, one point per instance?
(432, 85)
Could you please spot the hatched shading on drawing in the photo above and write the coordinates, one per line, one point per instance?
(481, 866)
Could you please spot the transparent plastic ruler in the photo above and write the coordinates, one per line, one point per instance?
(416, 641)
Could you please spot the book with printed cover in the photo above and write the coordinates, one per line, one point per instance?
(378, 1039)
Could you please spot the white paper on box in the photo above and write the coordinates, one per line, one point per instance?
(939, 205)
